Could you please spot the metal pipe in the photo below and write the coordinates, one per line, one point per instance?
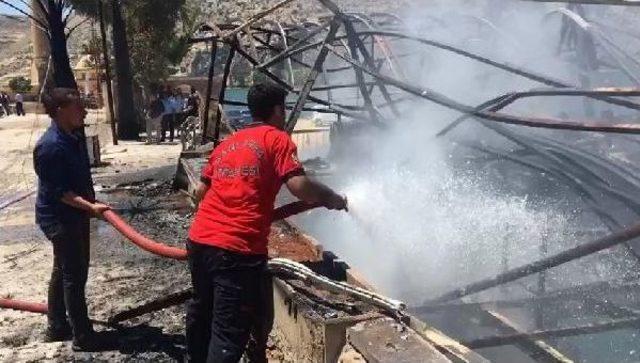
(285, 53)
(553, 333)
(255, 18)
(369, 61)
(311, 78)
(506, 67)
(543, 264)
(494, 116)
(353, 48)
(285, 85)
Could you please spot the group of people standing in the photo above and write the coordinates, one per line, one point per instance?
(5, 104)
(231, 310)
(168, 109)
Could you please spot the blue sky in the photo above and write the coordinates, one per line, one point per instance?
(4, 9)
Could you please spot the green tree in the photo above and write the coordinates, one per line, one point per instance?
(126, 114)
(160, 31)
(20, 84)
(150, 37)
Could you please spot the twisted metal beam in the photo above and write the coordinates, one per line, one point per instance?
(494, 116)
(503, 66)
(543, 264)
(553, 333)
(311, 78)
(503, 101)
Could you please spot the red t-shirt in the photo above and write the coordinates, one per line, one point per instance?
(246, 172)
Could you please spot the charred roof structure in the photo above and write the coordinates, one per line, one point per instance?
(313, 60)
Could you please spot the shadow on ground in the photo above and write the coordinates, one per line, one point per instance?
(143, 342)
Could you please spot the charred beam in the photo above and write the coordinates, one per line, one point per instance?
(207, 103)
(353, 48)
(494, 116)
(311, 78)
(598, 290)
(369, 61)
(223, 89)
(503, 101)
(554, 333)
(255, 18)
(155, 305)
(286, 53)
(343, 109)
(544, 264)
(506, 67)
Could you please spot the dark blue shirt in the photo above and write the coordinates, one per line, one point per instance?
(62, 165)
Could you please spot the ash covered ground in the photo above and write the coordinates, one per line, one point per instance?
(121, 277)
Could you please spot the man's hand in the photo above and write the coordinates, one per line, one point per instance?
(200, 192)
(95, 209)
(98, 208)
(336, 202)
(315, 192)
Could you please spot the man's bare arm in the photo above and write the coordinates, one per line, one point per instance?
(200, 191)
(76, 201)
(312, 191)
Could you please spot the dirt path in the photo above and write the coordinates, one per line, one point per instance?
(120, 276)
(136, 179)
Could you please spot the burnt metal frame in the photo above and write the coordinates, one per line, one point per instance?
(488, 113)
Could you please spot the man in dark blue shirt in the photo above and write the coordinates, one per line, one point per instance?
(65, 202)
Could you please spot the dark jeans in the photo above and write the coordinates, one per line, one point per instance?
(232, 306)
(20, 109)
(168, 123)
(69, 276)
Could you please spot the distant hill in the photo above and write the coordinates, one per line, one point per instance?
(15, 39)
(14, 47)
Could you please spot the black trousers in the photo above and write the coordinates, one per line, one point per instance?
(20, 109)
(168, 123)
(6, 108)
(69, 276)
(232, 306)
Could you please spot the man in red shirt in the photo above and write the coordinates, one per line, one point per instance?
(228, 239)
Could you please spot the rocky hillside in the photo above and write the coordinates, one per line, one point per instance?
(298, 11)
(14, 47)
(15, 40)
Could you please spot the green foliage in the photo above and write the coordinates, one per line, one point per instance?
(20, 84)
(158, 34)
(157, 31)
(86, 7)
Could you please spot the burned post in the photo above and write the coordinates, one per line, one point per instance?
(223, 87)
(311, 78)
(207, 102)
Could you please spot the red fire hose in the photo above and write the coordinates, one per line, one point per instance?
(149, 245)
(163, 250)
(141, 241)
(23, 306)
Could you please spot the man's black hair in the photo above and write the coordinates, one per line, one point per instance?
(263, 97)
(58, 97)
